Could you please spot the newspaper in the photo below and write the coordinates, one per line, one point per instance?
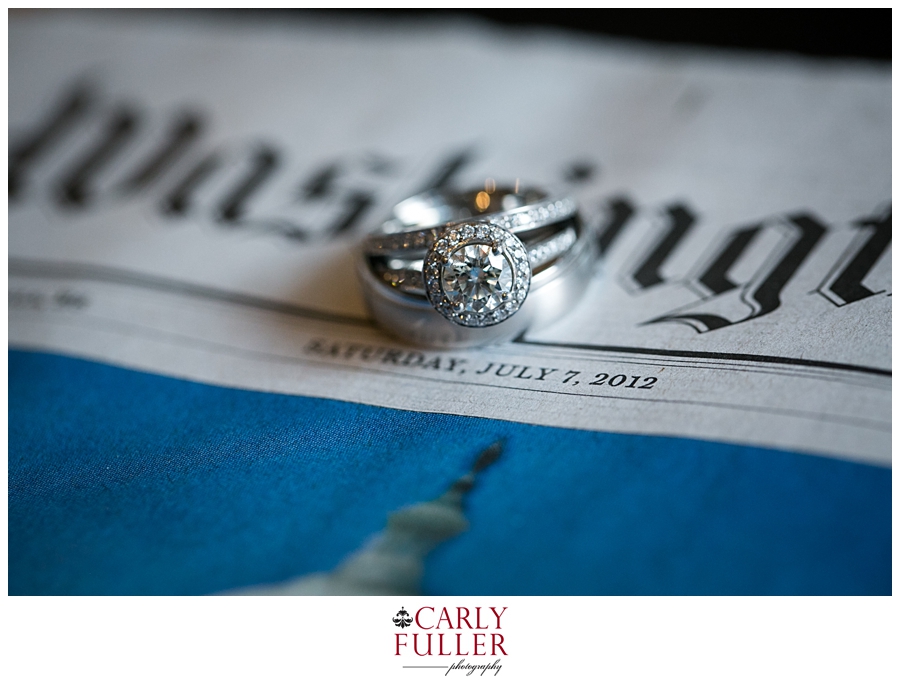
(186, 198)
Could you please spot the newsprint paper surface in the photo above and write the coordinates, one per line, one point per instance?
(185, 199)
(200, 402)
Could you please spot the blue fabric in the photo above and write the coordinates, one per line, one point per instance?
(129, 483)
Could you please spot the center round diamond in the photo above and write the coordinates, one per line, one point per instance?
(476, 275)
(477, 279)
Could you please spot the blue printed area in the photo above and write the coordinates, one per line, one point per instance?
(128, 483)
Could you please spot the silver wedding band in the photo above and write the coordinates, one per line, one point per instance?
(454, 270)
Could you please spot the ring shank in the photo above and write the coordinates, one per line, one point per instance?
(416, 223)
(436, 207)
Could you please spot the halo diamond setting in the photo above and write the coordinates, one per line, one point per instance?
(477, 275)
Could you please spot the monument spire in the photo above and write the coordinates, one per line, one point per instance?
(393, 561)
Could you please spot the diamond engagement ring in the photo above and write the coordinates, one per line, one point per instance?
(467, 269)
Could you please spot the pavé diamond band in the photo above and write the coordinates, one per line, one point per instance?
(468, 269)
